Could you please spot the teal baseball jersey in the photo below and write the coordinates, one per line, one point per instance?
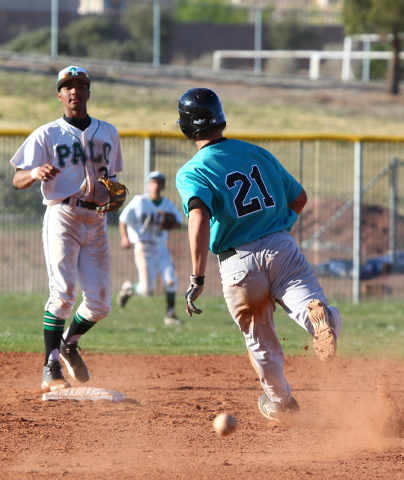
(246, 189)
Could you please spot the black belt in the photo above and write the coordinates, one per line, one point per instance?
(80, 203)
(227, 254)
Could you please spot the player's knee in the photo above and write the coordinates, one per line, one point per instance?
(61, 308)
(143, 290)
(94, 310)
(171, 285)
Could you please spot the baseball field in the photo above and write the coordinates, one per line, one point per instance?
(177, 379)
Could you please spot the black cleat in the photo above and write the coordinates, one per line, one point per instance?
(125, 293)
(52, 377)
(74, 363)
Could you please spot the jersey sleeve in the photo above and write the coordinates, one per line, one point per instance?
(189, 185)
(130, 214)
(291, 185)
(34, 152)
(116, 165)
(124, 217)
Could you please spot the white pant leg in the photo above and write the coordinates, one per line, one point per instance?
(94, 267)
(145, 260)
(76, 248)
(269, 270)
(62, 236)
(166, 269)
(293, 281)
(247, 294)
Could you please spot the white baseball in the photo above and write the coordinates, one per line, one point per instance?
(224, 424)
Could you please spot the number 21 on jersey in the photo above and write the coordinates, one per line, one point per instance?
(254, 205)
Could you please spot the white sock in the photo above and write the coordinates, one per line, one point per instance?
(72, 339)
(54, 355)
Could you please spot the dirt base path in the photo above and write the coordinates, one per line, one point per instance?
(350, 425)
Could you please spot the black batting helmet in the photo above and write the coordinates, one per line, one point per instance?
(199, 109)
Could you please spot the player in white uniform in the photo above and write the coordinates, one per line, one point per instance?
(241, 204)
(68, 156)
(141, 224)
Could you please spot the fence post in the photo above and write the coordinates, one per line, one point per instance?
(156, 34)
(314, 67)
(217, 60)
(346, 59)
(393, 194)
(148, 159)
(357, 210)
(258, 40)
(366, 61)
(54, 28)
(301, 183)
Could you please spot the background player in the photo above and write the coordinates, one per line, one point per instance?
(241, 203)
(68, 156)
(145, 222)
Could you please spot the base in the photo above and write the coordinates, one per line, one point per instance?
(83, 393)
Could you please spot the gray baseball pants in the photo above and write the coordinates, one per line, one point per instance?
(264, 272)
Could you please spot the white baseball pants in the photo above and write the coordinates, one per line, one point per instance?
(77, 249)
(265, 272)
(151, 257)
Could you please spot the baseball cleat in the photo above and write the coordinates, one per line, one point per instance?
(74, 363)
(124, 294)
(52, 377)
(324, 341)
(171, 318)
(276, 411)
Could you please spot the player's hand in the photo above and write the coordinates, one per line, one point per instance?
(192, 294)
(125, 243)
(45, 173)
(194, 290)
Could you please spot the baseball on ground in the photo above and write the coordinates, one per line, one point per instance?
(224, 424)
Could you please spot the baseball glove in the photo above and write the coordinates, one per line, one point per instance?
(168, 221)
(117, 195)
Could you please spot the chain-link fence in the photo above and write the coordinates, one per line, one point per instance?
(351, 230)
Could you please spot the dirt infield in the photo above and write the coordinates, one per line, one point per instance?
(350, 425)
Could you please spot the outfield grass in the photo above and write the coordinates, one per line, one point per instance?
(371, 329)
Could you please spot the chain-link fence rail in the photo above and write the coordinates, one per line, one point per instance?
(351, 230)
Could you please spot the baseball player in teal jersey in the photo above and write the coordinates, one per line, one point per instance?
(68, 157)
(241, 203)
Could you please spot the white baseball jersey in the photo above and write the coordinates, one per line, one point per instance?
(142, 218)
(75, 238)
(81, 157)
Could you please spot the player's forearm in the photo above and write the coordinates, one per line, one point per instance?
(199, 235)
(26, 178)
(123, 230)
(23, 179)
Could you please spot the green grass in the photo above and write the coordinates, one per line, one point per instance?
(29, 100)
(371, 329)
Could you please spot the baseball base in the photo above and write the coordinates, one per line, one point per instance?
(83, 393)
(224, 424)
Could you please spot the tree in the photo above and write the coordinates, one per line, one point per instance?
(378, 16)
(212, 11)
(128, 37)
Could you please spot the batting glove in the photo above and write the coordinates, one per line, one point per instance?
(194, 290)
